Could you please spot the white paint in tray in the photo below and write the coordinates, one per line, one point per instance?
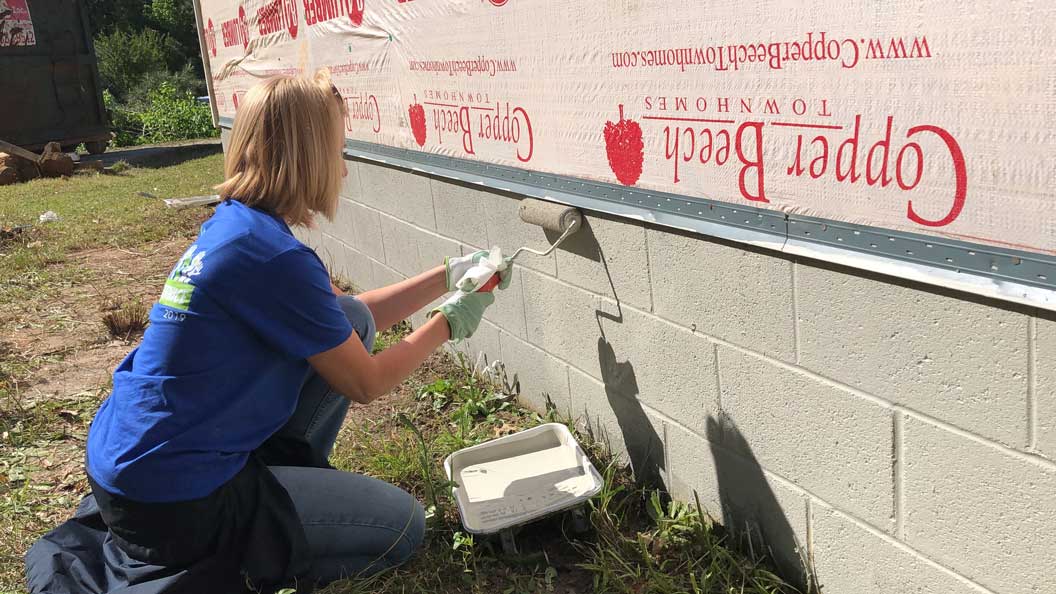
(520, 477)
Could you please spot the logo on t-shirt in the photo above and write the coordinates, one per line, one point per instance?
(179, 286)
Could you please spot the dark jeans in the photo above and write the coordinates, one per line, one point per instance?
(356, 525)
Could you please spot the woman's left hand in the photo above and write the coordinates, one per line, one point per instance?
(456, 268)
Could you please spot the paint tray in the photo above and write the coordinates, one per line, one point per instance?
(521, 477)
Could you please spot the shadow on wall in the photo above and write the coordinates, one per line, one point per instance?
(644, 446)
(754, 519)
(751, 512)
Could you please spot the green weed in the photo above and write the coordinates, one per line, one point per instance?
(639, 541)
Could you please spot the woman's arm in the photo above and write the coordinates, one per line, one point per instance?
(397, 302)
(352, 371)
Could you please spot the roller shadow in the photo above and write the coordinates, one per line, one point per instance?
(644, 446)
(751, 513)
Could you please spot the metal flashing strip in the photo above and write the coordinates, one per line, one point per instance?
(1005, 274)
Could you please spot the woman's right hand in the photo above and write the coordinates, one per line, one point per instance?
(463, 312)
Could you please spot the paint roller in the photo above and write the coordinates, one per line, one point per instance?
(551, 216)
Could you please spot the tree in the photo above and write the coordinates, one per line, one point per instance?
(125, 58)
(176, 19)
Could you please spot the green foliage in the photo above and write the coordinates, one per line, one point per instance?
(176, 18)
(170, 14)
(126, 57)
(463, 543)
(167, 114)
(638, 542)
(175, 116)
(184, 81)
(150, 67)
(106, 16)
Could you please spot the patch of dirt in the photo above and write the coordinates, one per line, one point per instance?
(436, 366)
(36, 329)
(71, 378)
(56, 360)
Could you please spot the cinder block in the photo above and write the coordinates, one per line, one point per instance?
(460, 212)
(986, 513)
(608, 257)
(225, 137)
(421, 316)
(958, 360)
(739, 296)
(358, 269)
(401, 246)
(623, 423)
(483, 347)
(343, 226)
(561, 319)
(384, 276)
(1045, 386)
(309, 237)
(345, 263)
(741, 494)
(432, 249)
(669, 368)
(692, 473)
(365, 229)
(322, 225)
(824, 439)
(329, 249)
(849, 559)
(508, 231)
(539, 374)
(403, 194)
(508, 310)
(350, 185)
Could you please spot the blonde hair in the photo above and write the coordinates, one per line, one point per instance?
(284, 154)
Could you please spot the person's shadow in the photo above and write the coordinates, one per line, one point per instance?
(644, 447)
(751, 513)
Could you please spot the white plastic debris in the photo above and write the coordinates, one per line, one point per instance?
(49, 217)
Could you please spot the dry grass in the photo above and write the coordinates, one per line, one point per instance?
(127, 321)
(108, 254)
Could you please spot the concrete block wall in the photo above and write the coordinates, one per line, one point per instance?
(901, 437)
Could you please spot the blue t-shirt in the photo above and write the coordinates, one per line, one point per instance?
(221, 364)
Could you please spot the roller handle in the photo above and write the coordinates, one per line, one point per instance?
(491, 284)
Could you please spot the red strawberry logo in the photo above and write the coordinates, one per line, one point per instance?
(623, 144)
(355, 11)
(417, 114)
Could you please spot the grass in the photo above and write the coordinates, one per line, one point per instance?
(637, 541)
(127, 320)
(60, 282)
(95, 210)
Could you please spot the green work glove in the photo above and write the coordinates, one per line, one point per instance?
(463, 312)
(456, 268)
(506, 274)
